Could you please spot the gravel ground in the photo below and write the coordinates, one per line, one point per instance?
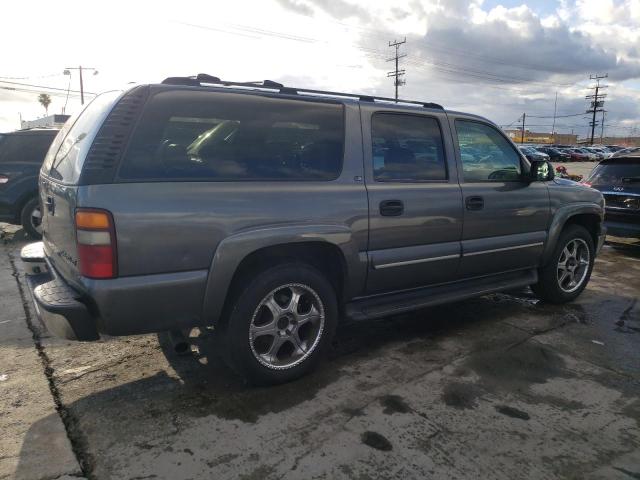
(501, 387)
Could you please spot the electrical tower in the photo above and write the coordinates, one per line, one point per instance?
(397, 73)
(597, 101)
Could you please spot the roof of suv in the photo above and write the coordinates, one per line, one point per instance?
(33, 131)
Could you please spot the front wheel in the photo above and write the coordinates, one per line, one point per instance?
(569, 269)
(281, 324)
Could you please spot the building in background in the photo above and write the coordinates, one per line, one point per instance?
(56, 121)
(537, 137)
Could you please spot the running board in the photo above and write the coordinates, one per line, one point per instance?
(406, 301)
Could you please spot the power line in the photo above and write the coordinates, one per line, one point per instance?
(397, 73)
(44, 87)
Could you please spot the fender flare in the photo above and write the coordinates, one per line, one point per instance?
(560, 218)
(235, 248)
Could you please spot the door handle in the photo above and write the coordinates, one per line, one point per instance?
(474, 203)
(391, 208)
(49, 204)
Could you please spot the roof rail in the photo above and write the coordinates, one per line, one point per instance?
(204, 79)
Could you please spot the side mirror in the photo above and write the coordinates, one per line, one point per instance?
(541, 171)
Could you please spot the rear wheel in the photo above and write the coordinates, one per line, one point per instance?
(31, 218)
(568, 272)
(281, 324)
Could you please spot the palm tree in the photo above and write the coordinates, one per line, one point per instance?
(45, 101)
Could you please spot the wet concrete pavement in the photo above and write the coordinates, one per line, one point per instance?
(497, 387)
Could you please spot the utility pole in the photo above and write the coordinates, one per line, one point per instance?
(67, 71)
(602, 126)
(524, 115)
(553, 128)
(397, 73)
(597, 102)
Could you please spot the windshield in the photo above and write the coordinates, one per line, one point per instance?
(615, 173)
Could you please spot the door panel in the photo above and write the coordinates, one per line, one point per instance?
(505, 216)
(415, 224)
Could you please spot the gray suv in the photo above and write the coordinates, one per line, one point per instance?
(269, 213)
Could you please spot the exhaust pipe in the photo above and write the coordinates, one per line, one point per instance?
(179, 342)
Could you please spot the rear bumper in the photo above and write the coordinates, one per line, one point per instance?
(57, 305)
(623, 229)
(120, 306)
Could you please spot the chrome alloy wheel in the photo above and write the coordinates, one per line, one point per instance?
(35, 217)
(287, 326)
(573, 265)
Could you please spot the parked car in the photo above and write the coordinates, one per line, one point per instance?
(619, 181)
(577, 155)
(269, 213)
(591, 156)
(21, 156)
(599, 154)
(614, 148)
(626, 151)
(533, 154)
(555, 154)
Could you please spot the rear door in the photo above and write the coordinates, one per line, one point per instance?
(505, 216)
(415, 204)
(59, 183)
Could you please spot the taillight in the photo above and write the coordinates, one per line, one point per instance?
(3, 179)
(96, 236)
(586, 184)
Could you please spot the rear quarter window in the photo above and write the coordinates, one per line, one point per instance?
(210, 136)
(25, 148)
(66, 156)
(616, 173)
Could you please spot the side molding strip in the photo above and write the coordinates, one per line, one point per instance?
(413, 262)
(537, 244)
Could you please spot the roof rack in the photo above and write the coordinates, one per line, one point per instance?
(205, 79)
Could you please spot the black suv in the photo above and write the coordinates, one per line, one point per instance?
(21, 156)
(619, 181)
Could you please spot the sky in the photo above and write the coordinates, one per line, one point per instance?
(496, 58)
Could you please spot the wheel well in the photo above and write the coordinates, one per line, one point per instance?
(26, 197)
(325, 257)
(589, 221)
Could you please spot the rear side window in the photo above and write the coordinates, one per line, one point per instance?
(486, 154)
(66, 163)
(197, 135)
(25, 148)
(616, 173)
(407, 148)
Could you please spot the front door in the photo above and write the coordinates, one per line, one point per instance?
(505, 216)
(415, 203)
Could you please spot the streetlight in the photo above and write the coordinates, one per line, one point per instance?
(67, 71)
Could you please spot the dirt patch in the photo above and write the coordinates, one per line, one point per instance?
(512, 412)
(462, 396)
(377, 441)
(394, 404)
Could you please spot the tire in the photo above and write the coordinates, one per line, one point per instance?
(28, 215)
(568, 271)
(269, 340)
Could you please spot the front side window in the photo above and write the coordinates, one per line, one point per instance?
(486, 154)
(205, 136)
(407, 148)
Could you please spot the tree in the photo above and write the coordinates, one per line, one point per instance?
(45, 101)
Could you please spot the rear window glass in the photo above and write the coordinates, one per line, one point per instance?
(25, 148)
(66, 164)
(616, 173)
(187, 135)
